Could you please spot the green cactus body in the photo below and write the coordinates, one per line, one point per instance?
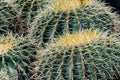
(58, 21)
(17, 54)
(16, 15)
(28, 9)
(6, 16)
(98, 59)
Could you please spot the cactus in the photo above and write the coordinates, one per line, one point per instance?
(95, 58)
(63, 18)
(16, 15)
(17, 54)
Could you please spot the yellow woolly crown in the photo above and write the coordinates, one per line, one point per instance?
(6, 44)
(68, 4)
(79, 38)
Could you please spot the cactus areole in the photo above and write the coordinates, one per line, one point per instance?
(82, 37)
(73, 4)
(6, 44)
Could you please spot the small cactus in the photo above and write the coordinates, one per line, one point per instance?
(17, 54)
(92, 59)
(64, 18)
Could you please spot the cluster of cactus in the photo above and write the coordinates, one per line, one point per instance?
(76, 50)
(58, 40)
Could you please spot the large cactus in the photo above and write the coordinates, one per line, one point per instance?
(72, 15)
(17, 54)
(84, 56)
(16, 15)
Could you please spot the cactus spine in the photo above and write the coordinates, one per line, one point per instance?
(5, 76)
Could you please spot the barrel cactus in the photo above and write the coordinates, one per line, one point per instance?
(66, 16)
(17, 54)
(88, 55)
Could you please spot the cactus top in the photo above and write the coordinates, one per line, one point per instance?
(6, 44)
(68, 4)
(81, 37)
